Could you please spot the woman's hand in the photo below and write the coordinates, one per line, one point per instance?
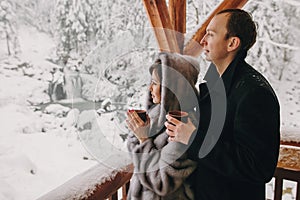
(179, 131)
(138, 126)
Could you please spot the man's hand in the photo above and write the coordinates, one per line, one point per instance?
(179, 131)
(138, 126)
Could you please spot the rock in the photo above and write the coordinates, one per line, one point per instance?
(57, 110)
(71, 119)
(86, 120)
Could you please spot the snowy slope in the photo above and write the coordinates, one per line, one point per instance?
(32, 162)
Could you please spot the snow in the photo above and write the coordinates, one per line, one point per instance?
(35, 47)
(57, 110)
(288, 92)
(293, 2)
(33, 162)
(82, 185)
(40, 150)
(290, 135)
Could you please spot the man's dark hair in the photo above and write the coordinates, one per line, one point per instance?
(240, 24)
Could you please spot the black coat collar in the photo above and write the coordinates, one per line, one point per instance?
(218, 84)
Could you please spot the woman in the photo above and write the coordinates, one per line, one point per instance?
(161, 167)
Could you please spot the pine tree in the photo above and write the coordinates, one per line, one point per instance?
(37, 13)
(198, 11)
(64, 47)
(8, 28)
(274, 47)
(75, 29)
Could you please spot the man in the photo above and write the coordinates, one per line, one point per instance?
(238, 159)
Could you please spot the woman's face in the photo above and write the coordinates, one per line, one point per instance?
(155, 87)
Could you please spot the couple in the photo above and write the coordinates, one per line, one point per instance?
(241, 157)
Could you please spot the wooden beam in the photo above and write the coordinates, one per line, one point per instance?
(193, 47)
(177, 11)
(159, 18)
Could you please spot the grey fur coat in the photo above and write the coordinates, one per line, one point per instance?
(161, 168)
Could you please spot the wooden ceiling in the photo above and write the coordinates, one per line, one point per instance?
(169, 24)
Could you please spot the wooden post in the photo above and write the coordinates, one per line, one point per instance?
(193, 47)
(278, 188)
(298, 191)
(177, 10)
(159, 18)
(125, 189)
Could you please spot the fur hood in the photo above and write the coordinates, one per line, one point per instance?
(179, 75)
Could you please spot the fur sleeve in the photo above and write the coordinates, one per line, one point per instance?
(132, 142)
(163, 171)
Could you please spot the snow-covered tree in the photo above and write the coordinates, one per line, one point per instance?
(81, 26)
(198, 11)
(64, 29)
(276, 39)
(37, 13)
(113, 18)
(8, 27)
(74, 29)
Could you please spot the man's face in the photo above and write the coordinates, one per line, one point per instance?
(214, 42)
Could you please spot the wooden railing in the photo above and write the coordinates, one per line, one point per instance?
(288, 168)
(92, 185)
(97, 183)
(109, 189)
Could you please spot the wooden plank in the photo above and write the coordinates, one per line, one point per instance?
(114, 196)
(298, 191)
(290, 143)
(158, 15)
(177, 10)
(110, 187)
(289, 157)
(193, 47)
(125, 189)
(288, 174)
(285, 174)
(288, 167)
(278, 188)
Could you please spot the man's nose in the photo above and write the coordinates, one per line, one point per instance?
(203, 41)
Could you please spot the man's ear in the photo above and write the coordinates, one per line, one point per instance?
(233, 44)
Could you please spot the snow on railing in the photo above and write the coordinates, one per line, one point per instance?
(98, 182)
(290, 135)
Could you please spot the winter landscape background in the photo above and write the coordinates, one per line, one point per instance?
(68, 72)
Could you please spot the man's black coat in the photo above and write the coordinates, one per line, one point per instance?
(237, 142)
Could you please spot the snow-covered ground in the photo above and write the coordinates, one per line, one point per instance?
(33, 162)
(39, 151)
(288, 91)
